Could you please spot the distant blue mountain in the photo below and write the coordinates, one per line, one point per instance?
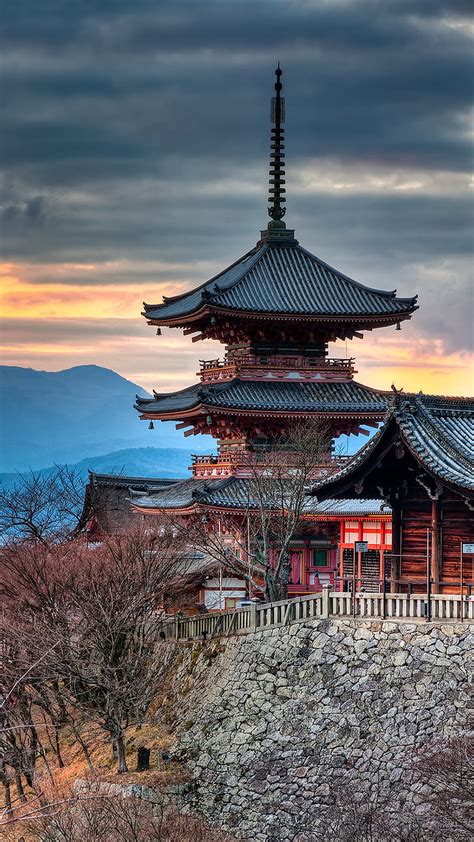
(49, 417)
(136, 462)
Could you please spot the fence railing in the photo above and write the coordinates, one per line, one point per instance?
(389, 606)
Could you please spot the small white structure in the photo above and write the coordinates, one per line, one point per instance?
(222, 592)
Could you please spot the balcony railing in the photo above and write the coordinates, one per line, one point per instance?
(278, 361)
(204, 459)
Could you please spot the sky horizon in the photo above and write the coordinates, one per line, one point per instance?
(135, 158)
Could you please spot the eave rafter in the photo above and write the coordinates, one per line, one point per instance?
(208, 409)
(202, 319)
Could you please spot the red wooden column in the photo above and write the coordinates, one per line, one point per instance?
(382, 544)
(341, 553)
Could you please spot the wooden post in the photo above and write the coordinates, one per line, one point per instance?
(253, 617)
(428, 578)
(326, 602)
(354, 581)
(176, 627)
(435, 546)
(395, 567)
(461, 576)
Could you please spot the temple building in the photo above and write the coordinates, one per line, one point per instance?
(275, 310)
(421, 463)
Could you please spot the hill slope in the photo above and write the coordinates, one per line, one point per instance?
(51, 417)
(170, 463)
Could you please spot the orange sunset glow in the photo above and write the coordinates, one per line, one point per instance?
(103, 323)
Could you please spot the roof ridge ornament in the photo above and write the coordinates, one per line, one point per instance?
(276, 230)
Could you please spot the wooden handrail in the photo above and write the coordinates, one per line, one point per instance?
(338, 604)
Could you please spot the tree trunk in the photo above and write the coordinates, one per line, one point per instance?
(122, 763)
(83, 746)
(19, 786)
(284, 578)
(270, 589)
(43, 754)
(6, 785)
(57, 749)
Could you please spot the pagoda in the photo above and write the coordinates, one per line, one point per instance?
(275, 309)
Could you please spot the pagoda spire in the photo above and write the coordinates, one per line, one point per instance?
(276, 191)
(276, 230)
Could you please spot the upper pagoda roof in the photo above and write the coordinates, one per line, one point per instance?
(269, 397)
(439, 433)
(280, 277)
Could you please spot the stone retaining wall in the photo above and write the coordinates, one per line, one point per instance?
(287, 728)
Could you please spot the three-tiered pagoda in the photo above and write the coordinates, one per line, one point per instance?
(275, 310)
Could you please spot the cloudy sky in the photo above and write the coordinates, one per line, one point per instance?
(134, 155)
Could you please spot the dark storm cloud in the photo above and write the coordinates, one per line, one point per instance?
(135, 83)
(120, 115)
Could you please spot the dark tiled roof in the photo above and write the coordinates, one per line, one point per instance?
(233, 492)
(439, 431)
(277, 278)
(347, 507)
(181, 495)
(347, 397)
(122, 481)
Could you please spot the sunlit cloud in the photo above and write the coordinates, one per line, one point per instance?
(333, 176)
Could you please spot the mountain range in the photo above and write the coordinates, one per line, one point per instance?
(170, 463)
(65, 417)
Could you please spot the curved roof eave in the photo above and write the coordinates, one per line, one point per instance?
(338, 399)
(347, 476)
(265, 267)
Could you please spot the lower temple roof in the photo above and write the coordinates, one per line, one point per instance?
(123, 481)
(236, 493)
(273, 397)
(438, 431)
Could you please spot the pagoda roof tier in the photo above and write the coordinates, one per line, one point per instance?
(438, 432)
(236, 494)
(123, 481)
(268, 398)
(280, 279)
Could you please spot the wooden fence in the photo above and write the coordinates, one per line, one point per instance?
(389, 606)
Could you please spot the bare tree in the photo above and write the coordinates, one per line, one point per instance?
(99, 814)
(82, 623)
(445, 773)
(98, 624)
(42, 506)
(253, 539)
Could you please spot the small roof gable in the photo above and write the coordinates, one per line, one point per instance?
(123, 481)
(437, 430)
(282, 277)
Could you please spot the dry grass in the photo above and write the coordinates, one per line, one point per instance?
(57, 784)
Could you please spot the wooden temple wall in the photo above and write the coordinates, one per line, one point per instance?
(415, 527)
(457, 527)
(449, 523)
